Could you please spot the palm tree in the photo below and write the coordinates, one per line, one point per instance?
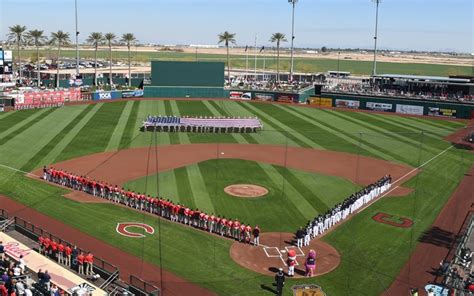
(278, 38)
(37, 38)
(110, 38)
(59, 38)
(95, 38)
(129, 39)
(227, 38)
(17, 35)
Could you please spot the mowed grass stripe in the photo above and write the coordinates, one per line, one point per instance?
(4, 115)
(162, 138)
(68, 137)
(34, 161)
(289, 192)
(182, 137)
(128, 131)
(358, 143)
(25, 125)
(272, 125)
(240, 138)
(14, 118)
(265, 136)
(439, 123)
(96, 133)
(427, 124)
(174, 139)
(185, 193)
(201, 197)
(302, 189)
(117, 135)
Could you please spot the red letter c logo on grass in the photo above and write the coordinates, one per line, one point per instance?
(391, 220)
(122, 229)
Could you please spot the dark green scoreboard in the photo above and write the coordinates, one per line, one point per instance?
(187, 74)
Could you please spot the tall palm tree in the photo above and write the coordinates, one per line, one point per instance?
(95, 38)
(17, 34)
(129, 39)
(227, 38)
(278, 38)
(59, 38)
(36, 38)
(110, 38)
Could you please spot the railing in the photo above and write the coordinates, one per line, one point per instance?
(3, 214)
(110, 280)
(143, 287)
(4, 224)
(37, 231)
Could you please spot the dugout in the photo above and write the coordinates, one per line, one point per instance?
(170, 79)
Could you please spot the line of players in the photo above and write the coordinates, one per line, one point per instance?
(341, 211)
(231, 228)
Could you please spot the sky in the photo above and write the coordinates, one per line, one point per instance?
(436, 25)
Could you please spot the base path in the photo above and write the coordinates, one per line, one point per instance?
(272, 254)
(122, 166)
(128, 264)
(417, 272)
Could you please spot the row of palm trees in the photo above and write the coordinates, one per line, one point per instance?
(21, 36)
(229, 38)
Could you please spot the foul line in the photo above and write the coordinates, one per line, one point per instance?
(17, 170)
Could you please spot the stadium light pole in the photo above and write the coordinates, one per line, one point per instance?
(293, 3)
(77, 41)
(377, 3)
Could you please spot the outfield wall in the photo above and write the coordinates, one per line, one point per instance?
(396, 105)
(185, 92)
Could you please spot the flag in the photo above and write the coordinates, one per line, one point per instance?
(262, 49)
(246, 48)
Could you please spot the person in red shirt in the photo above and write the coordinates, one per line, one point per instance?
(54, 249)
(60, 253)
(223, 226)
(210, 222)
(89, 261)
(46, 246)
(186, 215)
(242, 232)
(67, 254)
(40, 243)
(248, 231)
(236, 229)
(80, 263)
(230, 228)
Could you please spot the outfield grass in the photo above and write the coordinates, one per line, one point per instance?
(284, 208)
(305, 65)
(372, 253)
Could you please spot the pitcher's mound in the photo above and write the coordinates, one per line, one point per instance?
(272, 254)
(246, 190)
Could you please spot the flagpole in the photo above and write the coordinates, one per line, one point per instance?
(246, 62)
(256, 51)
(263, 51)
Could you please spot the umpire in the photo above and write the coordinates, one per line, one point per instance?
(280, 281)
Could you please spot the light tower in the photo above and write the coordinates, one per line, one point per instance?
(77, 40)
(293, 3)
(377, 2)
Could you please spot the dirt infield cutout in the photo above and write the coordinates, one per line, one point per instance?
(246, 190)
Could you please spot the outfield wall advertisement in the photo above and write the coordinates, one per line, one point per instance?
(347, 104)
(410, 109)
(379, 106)
(443, 112)
(239, 95)
(323, 102)
(264, 97)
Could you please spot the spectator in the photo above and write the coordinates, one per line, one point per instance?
(17, 270)
(22, 264)
(47, 279)
(5, 277)
(20, 288)
(40, 276)
(89, 260)
(2, 251)
(80, 263)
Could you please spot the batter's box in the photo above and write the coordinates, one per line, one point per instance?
(272, 252)
(299, 252)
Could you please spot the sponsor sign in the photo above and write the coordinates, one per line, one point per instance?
(347, 104)
(1, 55)
(238, 95)
(7, 56)
(435, 111)
(410, 109)
(47, 98)
(287, 98)
(323, 102)
(379, 106)
(132, 94)
(264, 97)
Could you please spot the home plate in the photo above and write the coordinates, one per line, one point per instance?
(283, 251)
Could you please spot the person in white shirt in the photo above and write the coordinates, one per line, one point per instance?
(20, 288)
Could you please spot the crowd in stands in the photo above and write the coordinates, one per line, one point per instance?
(271, 85)
(458, 274)
(324, 222)
(16, 279)
(365, 88)
(175, 212)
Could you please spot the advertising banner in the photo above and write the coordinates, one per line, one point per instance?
(435, 111)
(347, 104)
(239, 95)
(378, 106)
(410, 109)
(287, 98)
(47, 98)
(132, 94)
(1, 55)
(264, 97)
(323, 102)
(7, 56)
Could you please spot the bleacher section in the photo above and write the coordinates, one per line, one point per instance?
(202, 124)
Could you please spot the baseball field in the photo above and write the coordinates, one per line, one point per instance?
(308, 159)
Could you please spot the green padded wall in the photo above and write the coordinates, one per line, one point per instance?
(187, 74)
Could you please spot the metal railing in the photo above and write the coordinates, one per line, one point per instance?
(144, 287)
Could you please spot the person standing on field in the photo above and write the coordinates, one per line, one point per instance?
(280, 281)
(256, 236)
